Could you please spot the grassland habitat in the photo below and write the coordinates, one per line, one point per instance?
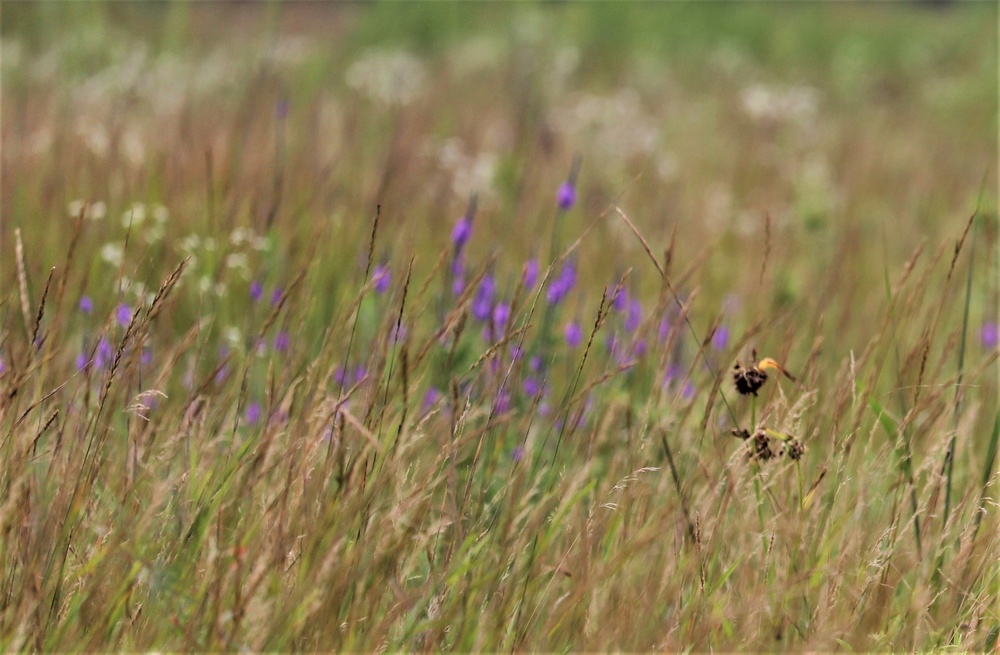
(499, 327)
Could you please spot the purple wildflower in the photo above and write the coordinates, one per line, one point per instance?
(458, 265)
(990, 335)
(281, 341)
(620, 301)
(688, 391)
(530, 273)
(276, 296)
(104, 353)
(461, 233)
(340, 375)
(500, 315)
(639, 349)
(458, 286)
(531, 387)
(664, 331)
(634, 316)
(482, 305)
(82, 361)
(381, 278)
(253, 413)
(123, 314)
(573, 334)
(502, 403)
(535, 363)
(86, 305)
(566, 196)
(518, 453)
(562, 285)
(256, 291)
(430, 398)
(146, 357)
(720, 338)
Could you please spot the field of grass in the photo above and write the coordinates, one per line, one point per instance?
(418, 327)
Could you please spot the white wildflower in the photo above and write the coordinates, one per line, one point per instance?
(237, 260)
(160, 214)
(112, 253)
(134, 216)
(231, 335)
(390, 78)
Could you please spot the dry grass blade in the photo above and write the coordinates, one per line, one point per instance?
(642, 240)
(41, 306)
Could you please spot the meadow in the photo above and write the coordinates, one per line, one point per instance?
(499, 327)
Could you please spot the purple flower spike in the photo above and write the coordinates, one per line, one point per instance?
(381, 278)
(276, 296)
(458, 286)
(146, 357)
(502, 403)
(517, 454)
(461, 233)
(664, 331)
(720, 338)
(253, 413)
(562, 285)
(123, 315)
(990, 335)
(430, 398)
(86, 305)
(500, 315)
(530, 273)
(573, 334)
(256, 291)
(281, 341)
(634, 317)
(482, 305)
(104, 353)
(81, 361)
(620, 301)
(531, 387)
(566, 196)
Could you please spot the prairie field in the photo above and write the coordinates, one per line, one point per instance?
(499, 327)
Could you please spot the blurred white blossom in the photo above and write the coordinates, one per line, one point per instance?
(780, 104)
(390, 78)
(112, 253)
(95, 211)
(614, 125)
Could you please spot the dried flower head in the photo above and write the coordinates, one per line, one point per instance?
(761, 447)
(750, 379)
(795, 449)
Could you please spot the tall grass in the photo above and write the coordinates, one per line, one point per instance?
(253, 397)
